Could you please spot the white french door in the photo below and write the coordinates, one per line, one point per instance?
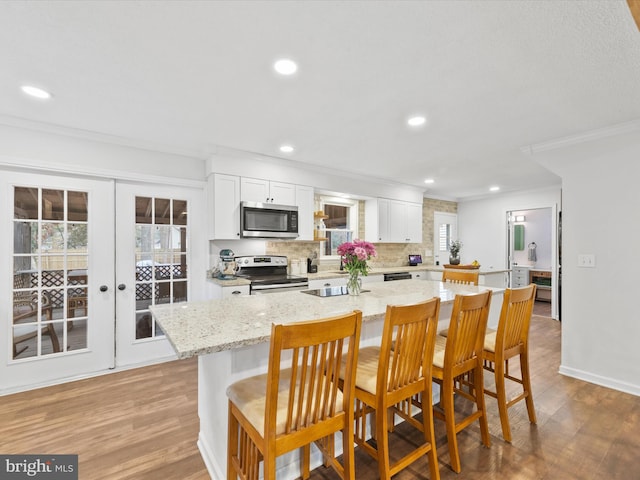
(155, 263)
(56, 259)
(445, 230)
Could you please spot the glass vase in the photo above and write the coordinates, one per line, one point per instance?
(354, 284)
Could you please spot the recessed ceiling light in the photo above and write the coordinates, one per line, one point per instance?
(286, 148)
(285, 66)
(36, 92)
(416, 121)
(494, 188)
(429, 180)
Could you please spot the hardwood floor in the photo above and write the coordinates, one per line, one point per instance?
(140, 424)
(143, 424)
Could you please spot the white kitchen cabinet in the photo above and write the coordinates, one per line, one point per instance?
(393, 221)
(372, 278)
(497, 279)
(224, 207)
(305, 203)
(376, 220)
(414, 222)
(328, 282)
(217, 291)
(265, 191)
(423, 275)
(519, 276)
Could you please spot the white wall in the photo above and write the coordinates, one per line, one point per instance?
(68, 154)
(482, 224)
(600, 318)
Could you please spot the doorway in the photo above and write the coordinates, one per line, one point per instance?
(533, 254)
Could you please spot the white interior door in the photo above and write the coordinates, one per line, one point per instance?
(445, 230)
(155, 263)
(58, 265)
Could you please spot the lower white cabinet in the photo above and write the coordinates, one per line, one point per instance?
(424, 275)
(328, 282)
(519, 276)
(217, 292)
(372, 278)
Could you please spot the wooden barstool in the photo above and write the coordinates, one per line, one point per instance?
(457, 356)
(289, 408)
(511, 340)
(389, 376)
(467, 277)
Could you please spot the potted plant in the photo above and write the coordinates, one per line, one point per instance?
(454, 252)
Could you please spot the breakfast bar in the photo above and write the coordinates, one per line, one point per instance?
(230, 336)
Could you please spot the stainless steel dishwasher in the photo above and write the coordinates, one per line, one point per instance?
(388, 277)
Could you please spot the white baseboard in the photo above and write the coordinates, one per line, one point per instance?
(215, 472)
(599, 380)
(58, 381)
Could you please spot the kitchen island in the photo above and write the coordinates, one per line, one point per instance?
(230, 337)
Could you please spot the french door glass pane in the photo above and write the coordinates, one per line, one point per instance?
(26, 203)
(50, 268)
(161, 265)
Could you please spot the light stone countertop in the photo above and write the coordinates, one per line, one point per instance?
(382, 270)
(199, 328)
(325, 274)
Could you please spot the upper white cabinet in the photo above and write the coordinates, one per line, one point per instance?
(265, 191)
(393, 221)
(414, 222)
(225, 193)
(224, 198)
(376, 220)
(304, 201)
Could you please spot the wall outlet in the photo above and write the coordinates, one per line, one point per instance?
(587, 260)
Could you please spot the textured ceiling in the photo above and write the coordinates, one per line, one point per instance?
(491, 76)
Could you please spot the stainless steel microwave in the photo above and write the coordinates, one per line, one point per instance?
(268, 220)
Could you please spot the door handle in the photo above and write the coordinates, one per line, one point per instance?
(103, 288)
(122, 286)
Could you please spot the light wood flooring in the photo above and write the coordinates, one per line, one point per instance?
(143, 424)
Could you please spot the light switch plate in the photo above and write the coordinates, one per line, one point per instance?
(587, 260)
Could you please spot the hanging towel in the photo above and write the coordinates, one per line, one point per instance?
(531, 254)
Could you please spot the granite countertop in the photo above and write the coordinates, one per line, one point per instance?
(382, 270)
(235, 282)
(199, 328)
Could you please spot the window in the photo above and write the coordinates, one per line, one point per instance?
(444, 236)
(340, 226)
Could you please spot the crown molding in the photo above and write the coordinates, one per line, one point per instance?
(584, 137)
(43, 127)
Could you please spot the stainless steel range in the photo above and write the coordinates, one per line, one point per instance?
(268, 274)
